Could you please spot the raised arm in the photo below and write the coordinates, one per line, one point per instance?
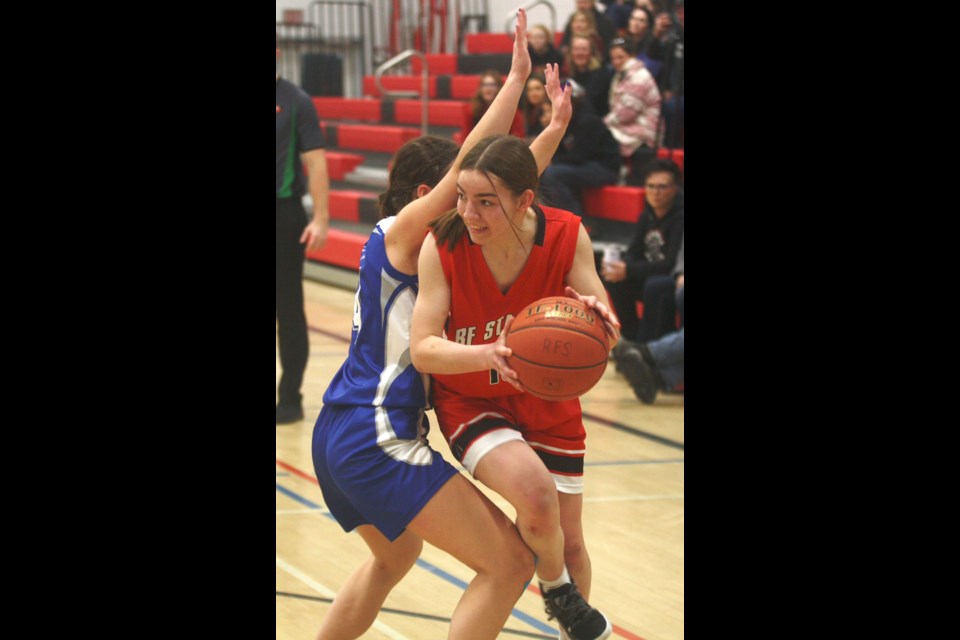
(406, 235)
(549, 139)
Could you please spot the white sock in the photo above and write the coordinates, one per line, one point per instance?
(564, 578)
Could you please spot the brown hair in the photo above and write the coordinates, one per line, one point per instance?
(506, 157)
(477, 106)
(423, 160)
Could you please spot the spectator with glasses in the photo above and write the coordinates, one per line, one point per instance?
(654, 249)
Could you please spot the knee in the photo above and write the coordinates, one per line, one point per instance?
(401, 558)
(539, 509)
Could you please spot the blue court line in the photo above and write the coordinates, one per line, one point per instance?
(423, 564)
(300, 499)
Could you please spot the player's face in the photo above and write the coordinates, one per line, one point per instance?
(479, 204)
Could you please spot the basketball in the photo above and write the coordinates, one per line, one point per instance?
(559, 348)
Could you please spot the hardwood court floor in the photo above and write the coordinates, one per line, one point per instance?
(633, 515)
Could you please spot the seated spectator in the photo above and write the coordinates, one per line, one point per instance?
(654, 366)
(619, 13)
(634, 107)
(662, 298)
(531, 107)
(604, 27)
(542, 52)
(640, 35)
(582, 24)
(490, 83)
(588, 156)
(655, 245)
(583, 64)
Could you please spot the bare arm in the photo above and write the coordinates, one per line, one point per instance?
(315, 235)
(547, 142)
(406, 234)
(584, 284)
(429, 350)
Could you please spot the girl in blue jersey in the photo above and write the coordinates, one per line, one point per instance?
(376, 470)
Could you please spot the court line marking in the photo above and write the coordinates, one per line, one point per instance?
(423, 564)
(436, 570)
(667, 496)
(633, 431)
(415, 614)
(326, 591)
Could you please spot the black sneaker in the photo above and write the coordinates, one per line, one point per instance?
(642, 378)
(289, 413)
(577, 619)
(618, 350)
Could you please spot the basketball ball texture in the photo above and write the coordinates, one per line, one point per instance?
(559, 348)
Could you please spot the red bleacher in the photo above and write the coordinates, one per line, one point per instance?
(341, 249)
(337, 108)
(339, 164)
(366, 137)
(345, 205)
(439, 112)
(614, 203)
(437, 64)
(497, 42)
(399, 83)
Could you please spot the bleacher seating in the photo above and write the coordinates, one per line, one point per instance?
(362, 132)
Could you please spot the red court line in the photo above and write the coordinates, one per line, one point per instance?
(292, 469)
(620, 631)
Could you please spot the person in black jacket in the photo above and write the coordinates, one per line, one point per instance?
(588, 156)
(655, 245)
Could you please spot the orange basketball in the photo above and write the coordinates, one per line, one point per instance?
(559, 347)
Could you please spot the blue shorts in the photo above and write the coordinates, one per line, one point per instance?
(375, 465)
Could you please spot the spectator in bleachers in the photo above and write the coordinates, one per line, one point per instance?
(583, 65)
(655, 245)
(640, 35)
(619, 13)
(670, 79)
(634, 107)
(654, 366)
(534, 97)
(588, 157)
(542, 49)
(667, 31)
(582, 24)
(604, 28)
(299, 141)
(662, 299)
(490, 84)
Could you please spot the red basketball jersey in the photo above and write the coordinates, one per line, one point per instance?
(478, 310)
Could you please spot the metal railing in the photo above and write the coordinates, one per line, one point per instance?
(512, 15)
(424, 86)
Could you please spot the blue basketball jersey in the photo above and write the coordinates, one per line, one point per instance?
(378, 371)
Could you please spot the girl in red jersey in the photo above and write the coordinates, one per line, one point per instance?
(483, 263)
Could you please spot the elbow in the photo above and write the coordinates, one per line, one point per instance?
(417, 357)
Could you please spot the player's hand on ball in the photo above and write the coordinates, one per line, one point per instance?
(610, 321)
(500, 354)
